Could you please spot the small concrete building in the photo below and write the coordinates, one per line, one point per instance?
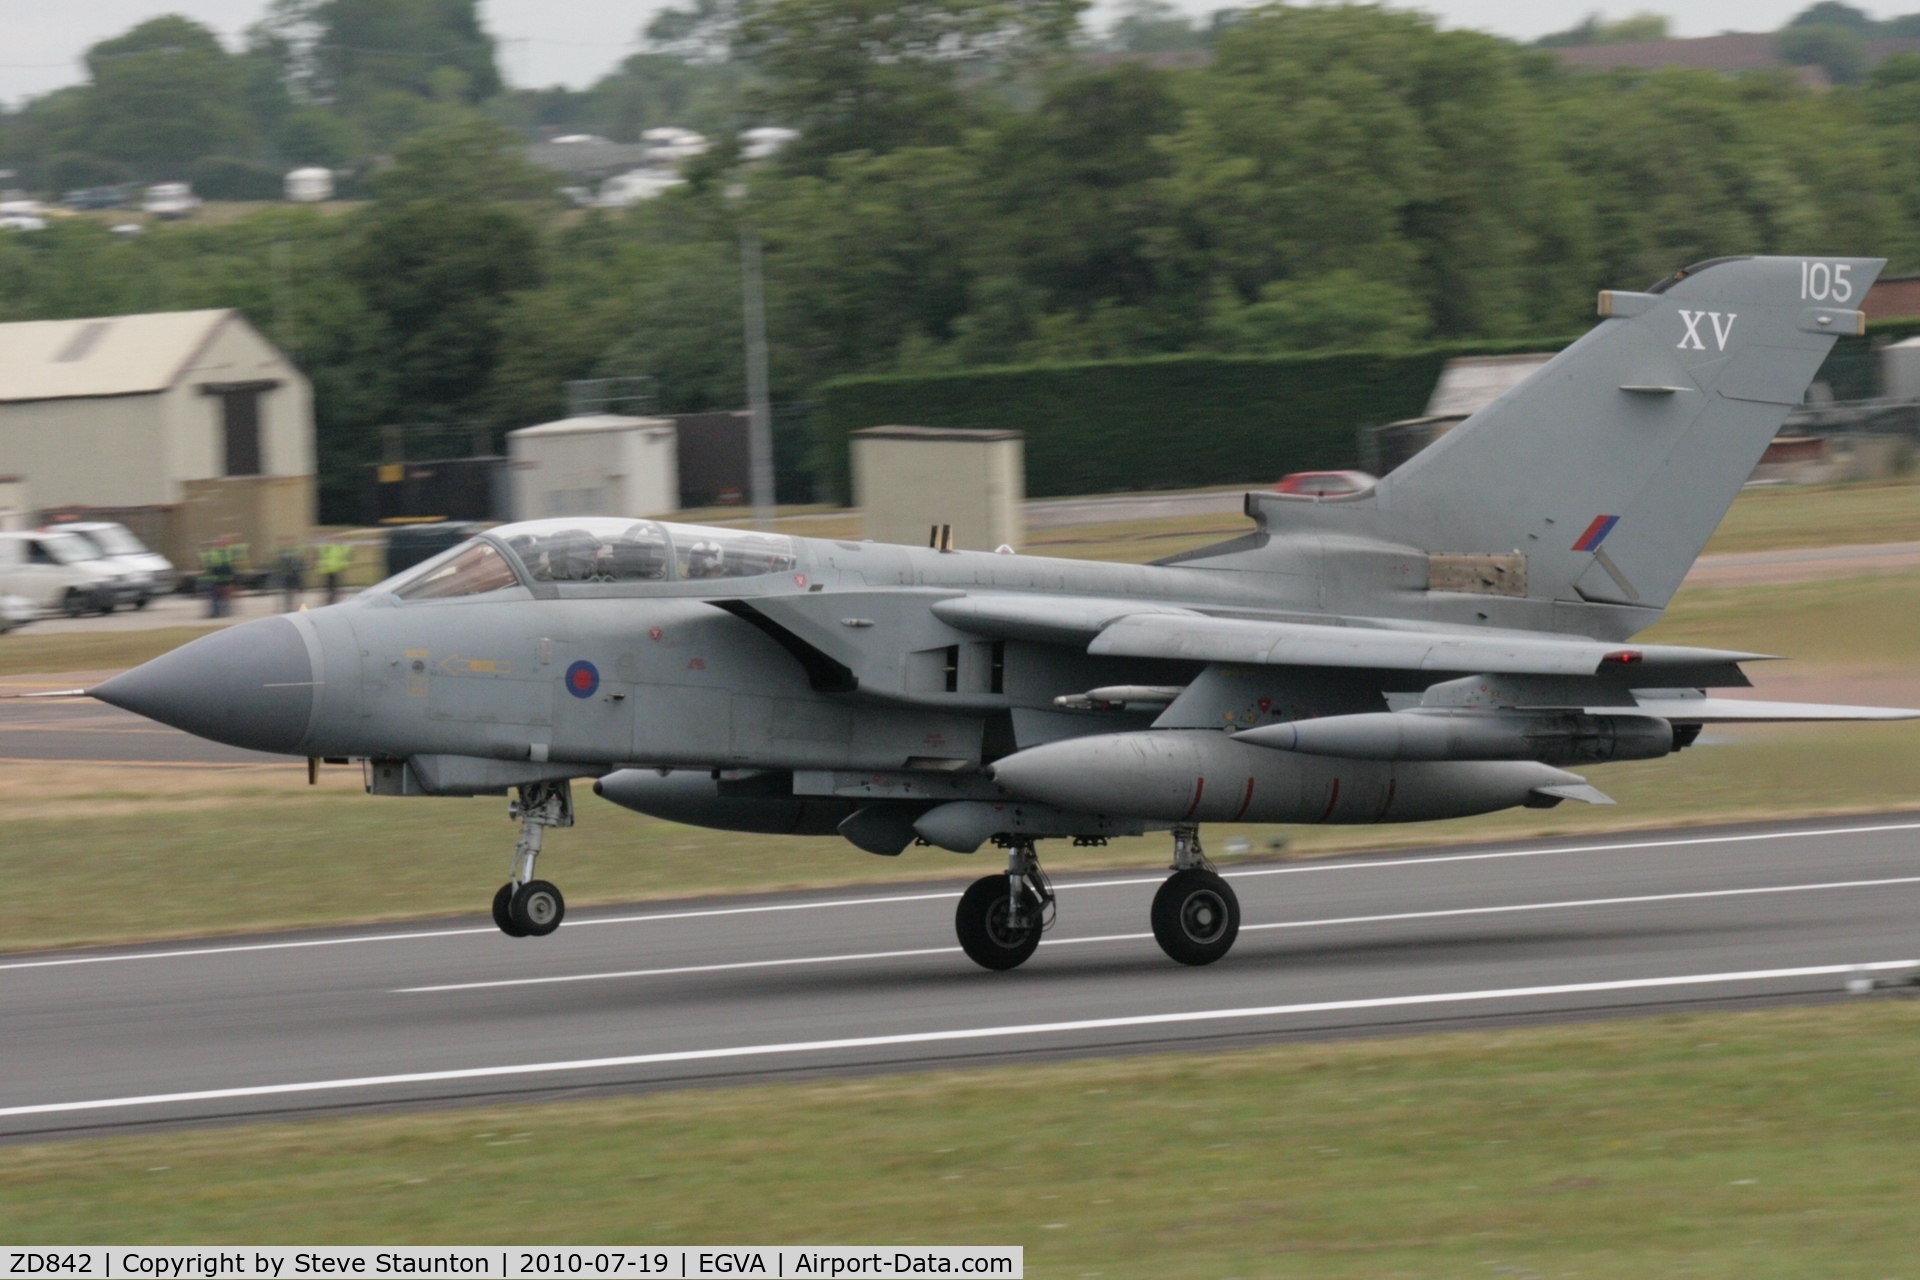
(1900, 370)
(185, 425)
(909, 479)
(603, 464)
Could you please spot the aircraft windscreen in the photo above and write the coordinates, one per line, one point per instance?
(730, 553)
(601, 549)
(477, 567)
(591, 551)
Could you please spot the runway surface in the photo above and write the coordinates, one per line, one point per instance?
(673, 994)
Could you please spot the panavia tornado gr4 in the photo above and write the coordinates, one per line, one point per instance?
(1448, 642)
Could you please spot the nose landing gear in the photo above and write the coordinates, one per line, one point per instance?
(1000, 918)
(525, 907)
(1195, 914)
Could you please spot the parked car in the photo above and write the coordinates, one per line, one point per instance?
(58, 571)
(170, 200)
(114, 197)
(148, 573)
(16, 611)
(22, 222)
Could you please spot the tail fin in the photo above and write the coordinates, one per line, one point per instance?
(1611, 466)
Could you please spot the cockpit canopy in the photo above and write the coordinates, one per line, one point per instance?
(593, 549)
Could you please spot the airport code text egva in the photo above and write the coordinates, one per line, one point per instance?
(678, 1262)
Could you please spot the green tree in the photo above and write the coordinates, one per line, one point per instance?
(471, 160)
(628, 298)
(1681, 165)
(1081, 218)
(1839, 51)
(1153, 26)
(876, 75)
(1831, 13)
(1338, 309)
(1360, 139)
(1595, 29)
(438, 258)
(644, 91)
(1891, 96)
(364, 49)
(163, 94)
(879, 250)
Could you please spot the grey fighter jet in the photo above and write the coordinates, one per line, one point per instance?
(1444, 643)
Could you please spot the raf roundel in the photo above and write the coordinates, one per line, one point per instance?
(583, 679)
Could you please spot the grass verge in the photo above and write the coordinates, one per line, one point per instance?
(28, 654)
(1773, 519)
(1865, 622)
(1773, 1144)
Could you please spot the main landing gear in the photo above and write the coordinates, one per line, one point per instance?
(1195, 916)
(1000, 919)
(525, 907)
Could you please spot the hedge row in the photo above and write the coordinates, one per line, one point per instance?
(1173, 422)
(1166, 422)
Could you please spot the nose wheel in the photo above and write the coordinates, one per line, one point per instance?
(1000, 918)
(525, 907)
(1196, 916)
(503, 912)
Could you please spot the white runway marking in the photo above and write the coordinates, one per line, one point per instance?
(1625, 846)
(1585, 902)
(63, 961)
(1303, 869)
(954, 1036)
(1635, 900)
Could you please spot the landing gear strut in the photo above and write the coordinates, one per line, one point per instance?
(526, 907)
(1196, 916)
(1000, 918)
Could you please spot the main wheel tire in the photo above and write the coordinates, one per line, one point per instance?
(538, 908)
(1196, 917)
(981, 922)
(503, 912)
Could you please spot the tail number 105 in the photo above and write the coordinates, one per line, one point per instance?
(1823, 280)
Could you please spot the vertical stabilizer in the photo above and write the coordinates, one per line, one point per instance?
(1611, 466)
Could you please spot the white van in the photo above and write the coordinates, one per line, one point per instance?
(58, 571)
(146, 573)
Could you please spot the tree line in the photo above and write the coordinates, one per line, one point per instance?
(973, 184)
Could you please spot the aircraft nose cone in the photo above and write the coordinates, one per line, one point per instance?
(247, 686)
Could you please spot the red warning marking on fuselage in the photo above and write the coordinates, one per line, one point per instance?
(1245, 801)
(1333, 798)
(1199, 789)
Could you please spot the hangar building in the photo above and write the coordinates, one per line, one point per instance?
(184, 425)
